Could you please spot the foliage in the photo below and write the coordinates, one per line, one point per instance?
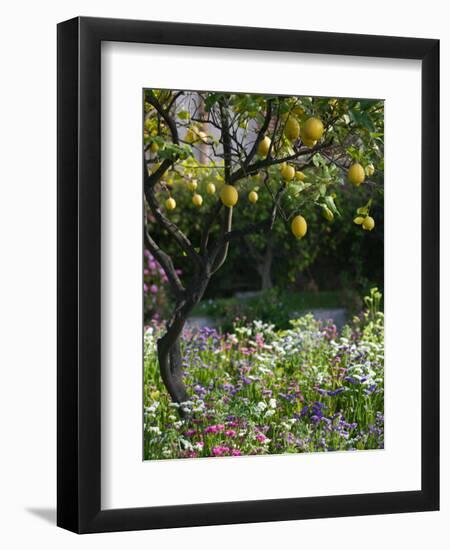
(156, 300)
(353, 133)
(271, 306)
(259, 390)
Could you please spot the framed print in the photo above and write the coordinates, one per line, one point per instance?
(248, 307)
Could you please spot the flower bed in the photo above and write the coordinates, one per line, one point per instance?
(258, 390)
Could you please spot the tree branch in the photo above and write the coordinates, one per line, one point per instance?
(166, 263)
(150, 98)
(184, 243)
(226, 142)
(261, 133)
(266, 163)
(221, 252)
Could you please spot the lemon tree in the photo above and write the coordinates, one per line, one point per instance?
(236, 165)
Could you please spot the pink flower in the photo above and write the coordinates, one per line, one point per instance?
(261, 438)
(220, 450)
(154, 289)
(230, 433)
(259, 340)
(235, 452)
(211, 430)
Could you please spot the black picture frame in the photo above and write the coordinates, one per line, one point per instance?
(79, 281)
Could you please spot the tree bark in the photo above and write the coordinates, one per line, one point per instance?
(170, 358)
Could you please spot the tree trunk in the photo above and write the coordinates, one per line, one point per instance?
(169, 346)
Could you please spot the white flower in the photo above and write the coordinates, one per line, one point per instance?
(186, 444)
(269, 413)
(261, 406)
(273, 403)
(154, 429)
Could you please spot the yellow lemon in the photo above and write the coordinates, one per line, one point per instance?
(368, 224)
(327, 213)
(306, 141)
(356, 174)
(292, 129)
(210, 188)
(370, 170)
(171, 204)
(253, 196)
(192, 185)
(229, 195)
(299, 227)
(313, 129)
(358, 220)
(264, 146)
(288, 172)
(154, 147)
(299, 175)
(197, 199)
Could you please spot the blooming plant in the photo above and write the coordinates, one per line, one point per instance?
(155, 288)
(258, 390)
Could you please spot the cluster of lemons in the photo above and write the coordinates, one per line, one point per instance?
(310, 133)
(228, 195)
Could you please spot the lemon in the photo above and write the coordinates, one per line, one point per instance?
(328, 214)
(299, 227)
(298, 110)
(171, 204)
(264, 146)
(253, 196)
(313, 129)
(154, 147)
(306, 141)
(169, 181)
(210, 188)
(192, 185)
(292, 129)
(370, 170)
(356, 174)
(368, 224)
(288, 172)
(197, 199)
(229, 195)
(358, 220)
(299, 175)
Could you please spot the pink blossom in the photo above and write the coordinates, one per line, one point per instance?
(259, 339)
(230, 433)
(154, 289)
(220, 450)
(235, 452)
